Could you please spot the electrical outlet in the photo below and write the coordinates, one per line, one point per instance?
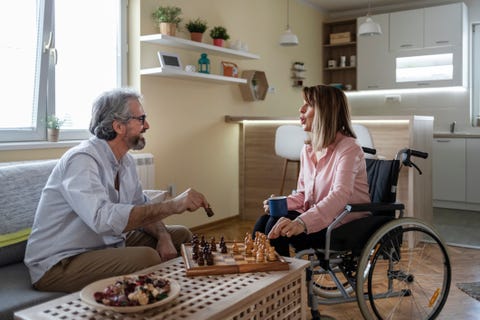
(272, 89)
(393, 98)
(171, 190)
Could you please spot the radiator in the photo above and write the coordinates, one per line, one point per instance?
(145, 169)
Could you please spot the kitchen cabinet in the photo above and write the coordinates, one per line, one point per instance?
(449, 169)
(427, 27)
(443, 25)
(174, 42)
(421, 48)
(406, 30)
(472, 170)
(343, 75)
(376, 65)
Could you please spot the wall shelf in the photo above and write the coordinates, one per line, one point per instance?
(352, 43)
(343, 75)
(170, 41)
(255, 92)
(173, 73)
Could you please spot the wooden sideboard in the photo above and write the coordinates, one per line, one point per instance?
(261, 169)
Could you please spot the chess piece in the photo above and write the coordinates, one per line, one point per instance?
(213, 245)
(235, 248)
(223, 248)
(271, 256)
(209, 258)
(260, 257)
(200, 260)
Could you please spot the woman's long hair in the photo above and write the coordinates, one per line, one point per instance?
(332, 114)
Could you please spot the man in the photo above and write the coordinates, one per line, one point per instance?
(93, 221)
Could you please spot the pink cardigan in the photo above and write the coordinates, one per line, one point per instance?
(323, 189)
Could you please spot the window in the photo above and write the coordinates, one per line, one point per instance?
(476, 74)
(56, 59)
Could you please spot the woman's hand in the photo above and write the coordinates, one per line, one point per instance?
(266, 207)
(285, 228)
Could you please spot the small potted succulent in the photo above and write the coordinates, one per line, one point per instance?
(196, 27)
(219, 35)
(53, 127)
(167, 19)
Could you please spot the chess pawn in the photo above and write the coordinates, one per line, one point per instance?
(260, 257)
(209, 259)
(200, 260)
(223, 248)
(271, 256)
(213, 245)
(235, 247)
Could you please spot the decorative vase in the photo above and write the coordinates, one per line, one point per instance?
(52, 134)
(168, 28)
(196, 36)
(218, 42)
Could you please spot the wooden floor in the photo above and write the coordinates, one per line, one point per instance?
(465, 268)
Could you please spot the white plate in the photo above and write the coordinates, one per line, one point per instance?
(87, 296)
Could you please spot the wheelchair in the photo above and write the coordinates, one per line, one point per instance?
(395, 267)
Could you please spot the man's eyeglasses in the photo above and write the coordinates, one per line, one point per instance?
(139, 118)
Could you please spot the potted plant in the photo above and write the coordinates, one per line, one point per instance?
(196, 27)
(219, 35)
(167, 19)
(53, 127)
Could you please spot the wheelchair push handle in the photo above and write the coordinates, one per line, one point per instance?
(404, 156)
(419, 154)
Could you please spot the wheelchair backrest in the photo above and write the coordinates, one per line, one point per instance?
(382, 181)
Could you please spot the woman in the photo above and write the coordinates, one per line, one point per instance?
(332, 174)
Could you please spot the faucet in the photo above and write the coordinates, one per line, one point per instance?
(452, 126)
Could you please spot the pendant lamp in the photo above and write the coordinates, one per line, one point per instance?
(369, 27)
(288, 38)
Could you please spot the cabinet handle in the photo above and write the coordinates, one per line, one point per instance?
(443, 140)
(441, 41)
(372, 87)
(407, 45)
(420, 84)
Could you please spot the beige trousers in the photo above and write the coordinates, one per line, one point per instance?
(73, 273)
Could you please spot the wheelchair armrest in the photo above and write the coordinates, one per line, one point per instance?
(381, 206)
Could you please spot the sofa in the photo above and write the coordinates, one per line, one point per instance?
(20, 187)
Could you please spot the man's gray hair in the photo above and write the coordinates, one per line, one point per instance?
(109, 106)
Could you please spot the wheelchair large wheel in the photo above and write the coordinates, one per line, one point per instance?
(323, 284)
(404, 272)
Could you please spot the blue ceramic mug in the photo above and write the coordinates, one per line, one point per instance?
(278, 206)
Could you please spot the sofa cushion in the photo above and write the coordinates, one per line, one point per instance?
(20, 189)
(13, 253)
(16, 291)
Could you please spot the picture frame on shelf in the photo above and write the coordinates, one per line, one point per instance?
(169, 60)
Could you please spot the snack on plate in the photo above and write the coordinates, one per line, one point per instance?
(134, 290)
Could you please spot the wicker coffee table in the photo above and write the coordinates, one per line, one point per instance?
(259, 295)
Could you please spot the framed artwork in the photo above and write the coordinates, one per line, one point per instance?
(169, 60)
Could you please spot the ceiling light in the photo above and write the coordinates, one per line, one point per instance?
(288, 38)
(369, 27)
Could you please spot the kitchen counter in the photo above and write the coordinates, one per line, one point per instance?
(455, 135)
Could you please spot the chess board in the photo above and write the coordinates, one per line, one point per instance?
(229, 262)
